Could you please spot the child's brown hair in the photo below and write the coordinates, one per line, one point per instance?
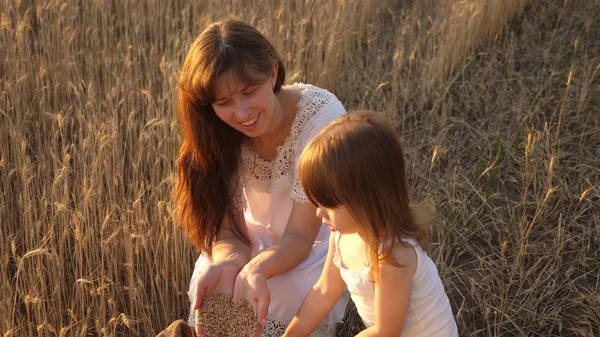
(357, 161)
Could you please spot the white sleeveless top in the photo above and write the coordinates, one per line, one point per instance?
(267, 192)
(429, 312)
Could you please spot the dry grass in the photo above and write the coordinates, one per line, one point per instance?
(496, 103)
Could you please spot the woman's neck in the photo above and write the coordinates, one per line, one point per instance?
(278, 124)
(279, 127)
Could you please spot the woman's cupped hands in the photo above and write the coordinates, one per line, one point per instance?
(244, 284)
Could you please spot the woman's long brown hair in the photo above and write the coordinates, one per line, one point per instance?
(357, 161)
(210, 149)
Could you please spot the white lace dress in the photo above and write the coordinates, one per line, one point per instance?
(269, 190)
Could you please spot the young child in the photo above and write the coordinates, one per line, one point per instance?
(353, 170)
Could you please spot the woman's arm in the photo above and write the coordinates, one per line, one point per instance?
(293, 248)
(229, 255)
(392, 294)
(229, 248)
(295, 245)
(320, 300)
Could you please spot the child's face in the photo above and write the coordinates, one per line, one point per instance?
(338, 219)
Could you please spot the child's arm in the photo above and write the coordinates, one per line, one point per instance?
(320, 300)
(392, 294)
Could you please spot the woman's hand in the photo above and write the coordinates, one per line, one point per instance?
(218, 278)
(252, 286)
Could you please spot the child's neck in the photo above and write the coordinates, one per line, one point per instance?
(354, 252)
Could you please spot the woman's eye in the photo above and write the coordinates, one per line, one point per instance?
(250, 91)
(221, 103)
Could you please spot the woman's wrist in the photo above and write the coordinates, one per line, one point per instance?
(229, 256)
(270, 263)
(253, 267)
(231, 250)
(232, 265)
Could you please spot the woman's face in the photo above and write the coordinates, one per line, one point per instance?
(246, 108)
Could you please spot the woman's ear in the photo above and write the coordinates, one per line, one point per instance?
(274, 74)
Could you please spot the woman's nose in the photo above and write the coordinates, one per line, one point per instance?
(242, 110)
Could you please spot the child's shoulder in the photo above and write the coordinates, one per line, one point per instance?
(404, 255)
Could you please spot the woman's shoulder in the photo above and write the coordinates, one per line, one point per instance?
(314, 98)
(316, 107)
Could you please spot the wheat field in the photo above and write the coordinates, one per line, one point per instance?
(496, 103)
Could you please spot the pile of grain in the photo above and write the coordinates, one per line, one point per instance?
(220, 317)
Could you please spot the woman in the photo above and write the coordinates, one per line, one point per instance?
(239, 199)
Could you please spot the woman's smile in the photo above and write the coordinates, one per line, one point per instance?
(252, 123)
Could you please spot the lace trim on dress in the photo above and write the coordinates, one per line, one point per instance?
(337, 261)
(260, 174)
(360, 274)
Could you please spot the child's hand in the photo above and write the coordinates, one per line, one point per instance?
(253, 287)
(218, 278)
